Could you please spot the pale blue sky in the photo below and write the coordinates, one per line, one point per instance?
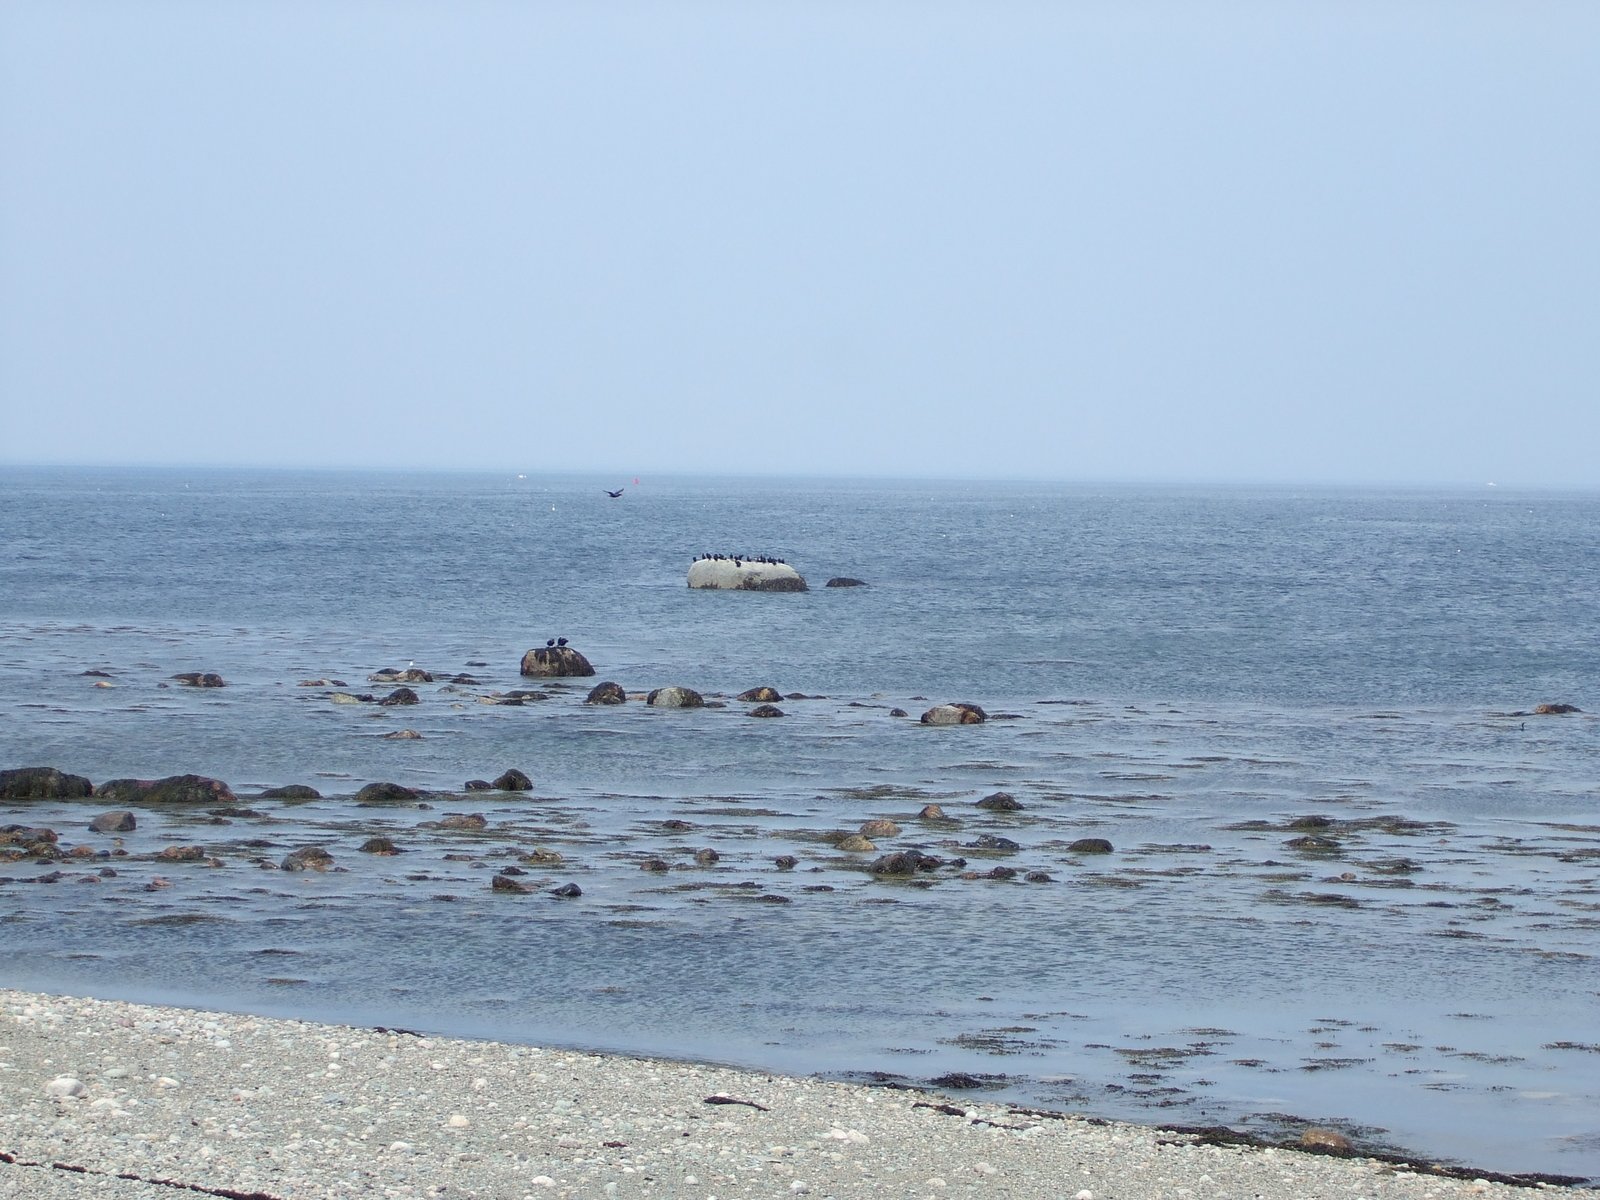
(1290, 241)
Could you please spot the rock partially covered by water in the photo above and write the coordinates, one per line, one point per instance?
(760, 695)
(905, 862)
(606, 693)
(118, 821)
(385, 793)
(292, 791)
(200, 679)
(766, 710)
(675, 697)
(739, 575)
(845, 581)
(391, 675)
(1090, 846)
(174, 789)
(954, 714)
(307, 858)
(551, 662)
(1551, 710)
(513, 781)
(43, 783)
(401, 695)
(1000, 802)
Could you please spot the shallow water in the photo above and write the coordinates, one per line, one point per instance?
(1184, 674)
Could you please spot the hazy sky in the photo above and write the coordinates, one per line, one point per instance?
(1298, 241)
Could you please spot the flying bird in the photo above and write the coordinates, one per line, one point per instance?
(616, 493)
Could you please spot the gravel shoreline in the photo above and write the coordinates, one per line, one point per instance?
(134, 1102)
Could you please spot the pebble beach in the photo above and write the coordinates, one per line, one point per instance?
(110, 1099)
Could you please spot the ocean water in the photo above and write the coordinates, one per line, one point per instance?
(1199, 676)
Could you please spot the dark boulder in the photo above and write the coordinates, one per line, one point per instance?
(785, 862)
(43, 783)
(1090, 846)
(1000, 802)
(379, 845)
(505, 883)
(898, 712)
(760, 695)
(567, 891)
(291, 791)
(1549, 710)
(478, 785)
(473, 821)
(119, 821)
(606, 693)
(200, 679)
(174, 789)
(550, 662)
(766, 710)
(904, 862)
(385, 793)
(307, 858)
(844, 581)
(989, 841)
(1312, 843)
(401, 695)
(513, 781)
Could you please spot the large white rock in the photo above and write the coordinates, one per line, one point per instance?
(745, 576)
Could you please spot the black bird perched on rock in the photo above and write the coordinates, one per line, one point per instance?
(561, 641)
(616, 493)
(551, 642)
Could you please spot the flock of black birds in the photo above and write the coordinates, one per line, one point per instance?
(555, 642)
(739, 560)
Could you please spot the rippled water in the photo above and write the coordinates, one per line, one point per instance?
(1187, 674)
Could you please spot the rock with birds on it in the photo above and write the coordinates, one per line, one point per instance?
(553, 661)
(733, 573)
(958, 713)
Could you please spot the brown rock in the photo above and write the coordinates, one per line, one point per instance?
(307, 858)
(1000, 802)
(606, 693)
(879, 827)
(760, 695)
(555, 662)
(855, 843)
(1330, 1140)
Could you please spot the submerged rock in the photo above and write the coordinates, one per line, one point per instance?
(840, 581)
(879, 827)
(513, 781)
(765, 710)
(401, 695)
(904, 862)
(379, 845)
(1548, 710)
(199, 679)
(43, 783)
(606, 693)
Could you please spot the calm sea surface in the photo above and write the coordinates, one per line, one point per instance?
(1190, 674)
